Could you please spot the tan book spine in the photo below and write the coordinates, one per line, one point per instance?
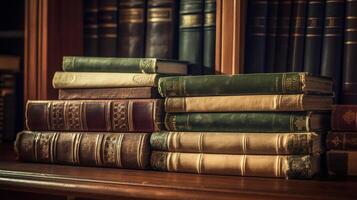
(298, 102)
(241, 165)
(103, 80)
(237, 143)
(120, 150)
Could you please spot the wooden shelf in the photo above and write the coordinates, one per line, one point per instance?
(90, 182)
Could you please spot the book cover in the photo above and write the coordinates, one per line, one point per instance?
(342, 163)
(344, 118)
(273, 6)
(209, 36)
(339, 140)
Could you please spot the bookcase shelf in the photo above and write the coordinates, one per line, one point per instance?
(109, 183)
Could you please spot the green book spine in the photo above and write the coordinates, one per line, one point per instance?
(239, 122)
(96, 64)
(268, 83)
(209, 36)
(191, 34)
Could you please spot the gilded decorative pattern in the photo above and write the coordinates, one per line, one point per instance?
(109, 149)
(120, 116)
(44, 147)
(300, 124)
(349, 117)
(175, 104)
(142, 80)
(158, 161)
(299, 144)
(74, 116)
(147, 65)
(159, 15)
(291, 83)
(158, 141)
(299, 167)
(57, 116)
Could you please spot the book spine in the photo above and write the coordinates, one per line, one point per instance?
(279, 83)
(107, 27)
(256, 36)
(103, 80)
(96, 64)
(119, 150)
(95, 115)
(332, 42)
(341, 141)
(90, 32)
(161, 29)
(109, 93)
(239, 122)
(282, 37)
(341, 163)
(241, 165)
(209, 36)
(313, 37)
(344, 118)
(349, 80)
(273, 6)
(191, 34)
(237, 143)
(131, 30)
(297, 36)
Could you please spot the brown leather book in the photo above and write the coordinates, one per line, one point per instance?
(119, 150)
(342, 163)
(341, 140)
(132, 115)
(344, 118)
(109, 93)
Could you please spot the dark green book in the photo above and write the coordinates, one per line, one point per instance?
(252, 122)
(263, 83)
(191, 34)
(123, 65)
(209, 36)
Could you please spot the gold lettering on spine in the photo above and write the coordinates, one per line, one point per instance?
(131, 15)
(210, 19)
(192, 20)
(159, 14)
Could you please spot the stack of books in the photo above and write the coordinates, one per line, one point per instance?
(266, 125)
(106, 111)
(342, 141)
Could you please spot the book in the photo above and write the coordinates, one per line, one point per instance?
(255, 122)
(131, 28)
(332, 43)
(107, 27)
(123, 65)
(10, 63)
(119, 150)
(260, 83)
(273, 6)
(341, 140)
(95, 115)
(349, 79)
(293, 102)
(279, 166)
(237, 143)
(344, 117)
(297, 36)
(313, 36)
(109, 93)
(191, 34)
(256, 36)
(282, 36)
(161, 29)
(342, 163)
(209, 37)
(90, 27)
(63, 80)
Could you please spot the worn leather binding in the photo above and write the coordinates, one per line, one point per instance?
(119, 150)
(109, 93)
(278, 166)
(90, 23)
(161, 29)
(344, 117)
(342, 163)
(191, 34)
(95, 115)
(313, 36)
(131, 28)
(256, 36)
(273, 6)
(332, 42)
(282, 36)
(107, 23)
(349, 80)
(342, 140)
(209, 36)
(297, 36)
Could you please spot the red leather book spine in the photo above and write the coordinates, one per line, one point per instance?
(344, 118)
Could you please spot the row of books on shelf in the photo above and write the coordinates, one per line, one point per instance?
(266, 125)
(167, 29)
(313, 36)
